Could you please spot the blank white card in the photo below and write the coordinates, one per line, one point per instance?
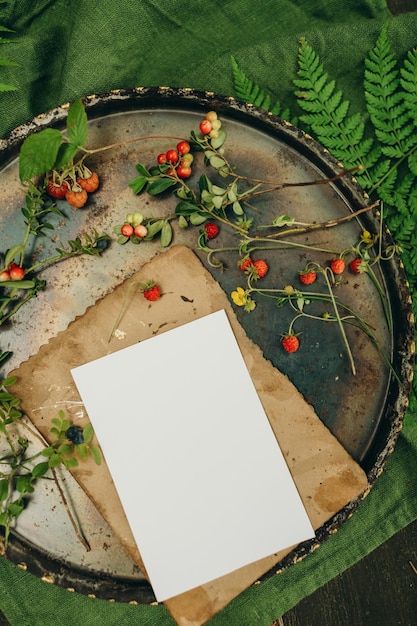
(200, 475)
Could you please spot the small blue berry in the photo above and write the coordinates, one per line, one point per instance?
(75, 434)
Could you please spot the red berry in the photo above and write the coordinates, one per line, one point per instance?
(57, 191)
(212, 230)
(308, 277)
(205, 127)
(184, 171)
(337, 266)
(4, 275)
(172, 156)
(151, 292)
(183, 147)
(127, 230)
(140, 231)
(245, 264)
(261, 267)
(354, 265)
(290, 343)
(162, 159)
(16, 273)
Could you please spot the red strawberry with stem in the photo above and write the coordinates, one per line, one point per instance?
(338, 266)
(211, 229)
(151, 291)
(290, 342)
(307, 276)
(357, 266)
(261, 267)
(245, 264)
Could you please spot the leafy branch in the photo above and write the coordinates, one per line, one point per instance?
(20, 469)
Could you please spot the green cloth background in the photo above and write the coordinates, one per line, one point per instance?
(67, 49)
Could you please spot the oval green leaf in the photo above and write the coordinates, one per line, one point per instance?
(38, 153)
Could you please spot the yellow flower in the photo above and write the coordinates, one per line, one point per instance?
(367, 237)
(239, 297)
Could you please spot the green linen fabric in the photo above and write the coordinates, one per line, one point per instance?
(67, 49)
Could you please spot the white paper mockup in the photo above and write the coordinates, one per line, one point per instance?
(197, 467)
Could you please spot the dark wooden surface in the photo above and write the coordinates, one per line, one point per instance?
(380, 590)
(401, 6)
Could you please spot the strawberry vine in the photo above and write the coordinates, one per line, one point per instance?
(383, 141)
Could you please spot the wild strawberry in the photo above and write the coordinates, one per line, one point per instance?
(338, 266)
(91, 183)
(211, 229)
(127, 230)
(354, 265)
(4, 275)
(307, 277)
(16, 272)
(261, 267)
(151, 291)
(56, 190)
(290, 343)
(245, 264)
(76, 199)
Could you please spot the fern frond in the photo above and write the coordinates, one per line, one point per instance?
(408, 82)
(385, 102)
(248, 91)
(326, 113)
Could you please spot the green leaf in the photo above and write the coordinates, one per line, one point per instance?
(142, 170)
(55, 460)
(159, 185)
(12, 253)
(4, 489)
(15, 508)
(96, 454)
(237, 208)
(40, 469)
(154, 228)
(70, 462)
(66, 154)
(186, 208)
(138, 183)
(88, 433)
(24, 483)
(64, 448)
(166, 234)
(82, 451)
(77, 126)
(217, 142)
(38, 153)
(198, 218)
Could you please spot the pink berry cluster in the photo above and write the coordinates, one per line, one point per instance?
(133, 226)
(179, 160)
(210, 125)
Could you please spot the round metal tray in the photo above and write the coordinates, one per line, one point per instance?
(364, 411)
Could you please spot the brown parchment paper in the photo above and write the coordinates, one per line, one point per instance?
(326, 476)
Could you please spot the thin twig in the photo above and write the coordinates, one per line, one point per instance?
(76, 526)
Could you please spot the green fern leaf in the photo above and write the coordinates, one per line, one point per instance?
(408, 82)
(385, 101)
(248, 91)
(326, 113)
